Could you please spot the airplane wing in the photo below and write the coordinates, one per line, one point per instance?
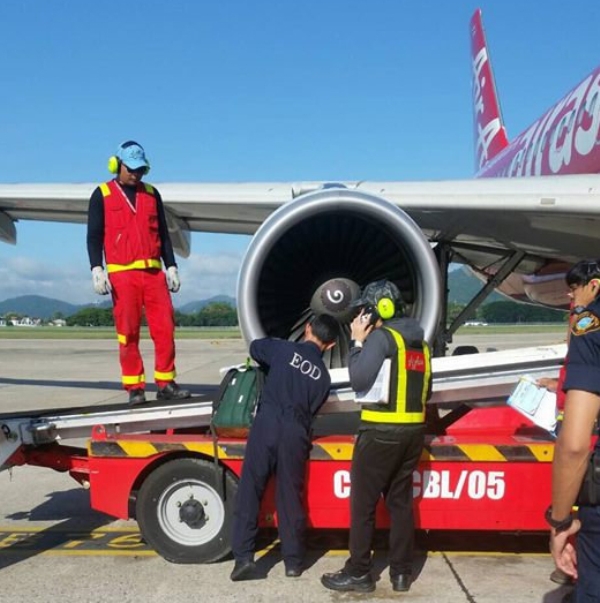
(547, 217)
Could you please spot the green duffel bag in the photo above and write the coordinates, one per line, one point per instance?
(235, 405)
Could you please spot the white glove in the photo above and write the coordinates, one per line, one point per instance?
(100, 281)
(173, 281)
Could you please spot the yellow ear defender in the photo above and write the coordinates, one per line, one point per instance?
(113, 164)
(386, 308)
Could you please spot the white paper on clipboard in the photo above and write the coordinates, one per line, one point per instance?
(380, 391)
(536, 403)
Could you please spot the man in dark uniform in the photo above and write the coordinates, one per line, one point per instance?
(296, 386)
(390, 437)
(571, 452)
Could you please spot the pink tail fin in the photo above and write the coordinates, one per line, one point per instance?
(489, 132)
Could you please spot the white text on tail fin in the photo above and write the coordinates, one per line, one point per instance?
(489, 133)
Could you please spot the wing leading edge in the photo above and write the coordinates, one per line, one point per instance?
(546, 217)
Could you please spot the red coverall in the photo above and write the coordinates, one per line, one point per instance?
(132, 251)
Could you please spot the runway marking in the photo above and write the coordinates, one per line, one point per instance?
(107, 541)
(128, 542)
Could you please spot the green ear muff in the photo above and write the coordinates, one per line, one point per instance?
(386, 308)
(113, 164)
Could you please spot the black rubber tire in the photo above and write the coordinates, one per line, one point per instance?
(160, 497)
(462, 350)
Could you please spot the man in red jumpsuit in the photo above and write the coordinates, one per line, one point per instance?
(127, 224)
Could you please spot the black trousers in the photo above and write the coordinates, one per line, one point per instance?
(279, 445)
(383, 463)
(587, 588)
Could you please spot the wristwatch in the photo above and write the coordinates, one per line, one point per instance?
(354, 343)
(558, 525)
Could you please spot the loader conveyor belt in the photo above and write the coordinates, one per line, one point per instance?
(472, 379)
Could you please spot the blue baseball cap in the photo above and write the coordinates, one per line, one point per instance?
(132, 155)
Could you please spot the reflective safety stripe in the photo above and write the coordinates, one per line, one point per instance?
(137, 265)
(133, 379)
(122, 339)
(158, 376)
(104, 190)
(149, 188)
(411, 373)
(324, 451)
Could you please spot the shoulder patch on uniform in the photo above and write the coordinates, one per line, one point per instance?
(586, 323)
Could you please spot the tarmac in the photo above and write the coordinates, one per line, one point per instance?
(53, 547)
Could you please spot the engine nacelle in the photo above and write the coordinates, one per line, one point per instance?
(315, 253)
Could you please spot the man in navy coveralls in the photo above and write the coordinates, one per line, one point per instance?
(296, 386)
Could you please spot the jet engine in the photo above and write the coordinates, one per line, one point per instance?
(315, 253)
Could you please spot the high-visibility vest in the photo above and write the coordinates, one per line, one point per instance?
(131, 238)
(409, 385)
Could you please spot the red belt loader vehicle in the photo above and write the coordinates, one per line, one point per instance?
(485, 466)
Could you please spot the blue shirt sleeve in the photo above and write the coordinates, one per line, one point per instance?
(263, 350)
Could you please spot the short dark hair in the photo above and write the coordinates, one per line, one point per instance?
(325, 328)
(583, 272)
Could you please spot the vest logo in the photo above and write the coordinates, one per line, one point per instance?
(415, 361)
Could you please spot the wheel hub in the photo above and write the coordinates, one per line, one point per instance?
(191, 513)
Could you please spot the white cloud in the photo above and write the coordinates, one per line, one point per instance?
(27, 276)
(202, 276)
(205, 275)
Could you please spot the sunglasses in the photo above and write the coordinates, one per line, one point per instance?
(141, 170)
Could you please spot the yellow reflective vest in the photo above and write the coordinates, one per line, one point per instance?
(409, 385)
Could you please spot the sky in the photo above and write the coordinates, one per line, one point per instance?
(257, 90)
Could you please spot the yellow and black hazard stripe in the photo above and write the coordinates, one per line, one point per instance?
(330, 451)
(524, 453)
(145, 448)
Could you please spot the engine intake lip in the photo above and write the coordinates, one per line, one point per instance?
(395, 222)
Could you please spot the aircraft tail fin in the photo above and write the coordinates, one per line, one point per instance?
(489, 132)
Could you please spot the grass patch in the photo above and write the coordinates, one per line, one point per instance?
(519, 329)
(109, 333)
(234, 332)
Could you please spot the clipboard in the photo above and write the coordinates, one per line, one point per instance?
(534, 402)
(380, 390)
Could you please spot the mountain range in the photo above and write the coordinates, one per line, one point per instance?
(462, 287)
(37, 306)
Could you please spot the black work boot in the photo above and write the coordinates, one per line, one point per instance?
(343, 581)
(172, 391)
(136, 396)
(559, 577)
(244, 569)
(293, 571)
(401, 583)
